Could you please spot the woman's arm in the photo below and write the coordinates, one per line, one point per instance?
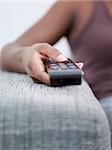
(51, 27)
(25, 55)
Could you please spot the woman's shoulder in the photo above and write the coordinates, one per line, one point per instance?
(74, 6)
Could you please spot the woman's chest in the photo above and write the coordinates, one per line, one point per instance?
(95, 41)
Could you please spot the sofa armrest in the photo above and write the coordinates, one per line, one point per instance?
(39, 117)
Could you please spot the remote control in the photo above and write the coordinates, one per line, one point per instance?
(63, 73)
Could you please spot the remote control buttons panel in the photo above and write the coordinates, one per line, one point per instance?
(62, 66)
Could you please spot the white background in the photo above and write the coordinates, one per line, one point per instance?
(17, 16)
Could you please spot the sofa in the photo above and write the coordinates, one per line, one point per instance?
(39, 117)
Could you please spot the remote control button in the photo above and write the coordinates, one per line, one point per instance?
(72, 67)
(70, 64)
(54, 67)
(63, 66)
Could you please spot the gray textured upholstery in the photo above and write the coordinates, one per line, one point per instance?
(38, 117)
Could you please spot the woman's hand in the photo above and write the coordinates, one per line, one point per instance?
(30, 59)
(33, 57)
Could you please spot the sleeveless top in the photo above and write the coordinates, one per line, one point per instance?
(94, 47)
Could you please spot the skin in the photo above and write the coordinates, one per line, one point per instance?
(27, 53)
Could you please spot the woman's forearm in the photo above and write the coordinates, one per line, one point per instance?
(26, 54)
(11, 57)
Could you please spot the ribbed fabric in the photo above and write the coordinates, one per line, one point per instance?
(107, 106)
(38, 117)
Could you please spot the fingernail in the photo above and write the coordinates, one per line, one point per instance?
(61, 58)
(81, 64)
